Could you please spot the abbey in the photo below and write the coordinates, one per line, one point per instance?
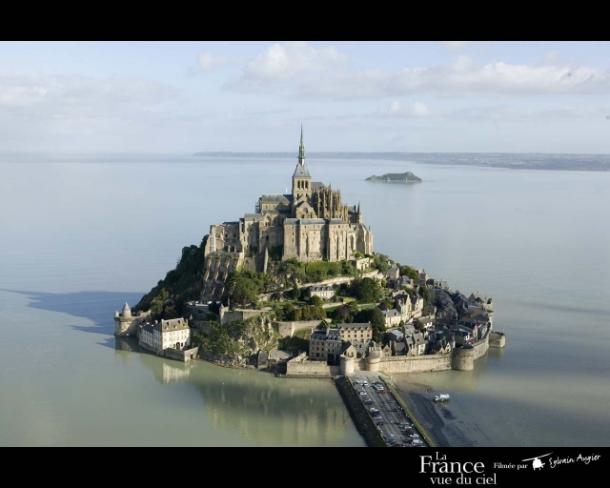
(310, 224)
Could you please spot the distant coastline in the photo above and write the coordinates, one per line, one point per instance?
(530, 161)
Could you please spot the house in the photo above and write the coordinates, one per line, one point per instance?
(325, 292)
(440, 345)
(417, 306)
(415, 344)
(425, 322)
(396, 335)
(463, 335)
(405, 307)
(159, 337)
(392, 318)
(362, 264)
(356, 332)
(405, 281)
(350, 350)
(325, 345)
(393, 273)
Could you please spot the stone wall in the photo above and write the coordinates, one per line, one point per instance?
(460, 359)
(497, 339)
(184, 355)
(240, 315)
(480, 348)
(287, 329)
(415, 364)
(303, 367)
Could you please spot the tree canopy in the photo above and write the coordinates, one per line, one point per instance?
(366, 290)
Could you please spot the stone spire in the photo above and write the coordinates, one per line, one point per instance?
(126, 311)
(301, 149)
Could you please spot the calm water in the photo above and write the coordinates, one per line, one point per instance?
(77, 240)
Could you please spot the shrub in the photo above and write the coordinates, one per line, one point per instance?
(409, 271)
(184, 283)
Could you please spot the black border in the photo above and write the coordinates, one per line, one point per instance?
(318, 21)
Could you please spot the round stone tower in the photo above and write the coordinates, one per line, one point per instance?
(123, 322)
(374, 358)
(462, 359)
(347, 365)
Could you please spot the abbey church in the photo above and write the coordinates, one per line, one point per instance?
(310, 224)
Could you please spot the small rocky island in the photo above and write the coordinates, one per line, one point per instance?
(406, 177)
(296, 288)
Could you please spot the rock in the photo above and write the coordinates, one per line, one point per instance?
(406, 177)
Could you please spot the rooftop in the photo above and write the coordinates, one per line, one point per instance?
(355, 325)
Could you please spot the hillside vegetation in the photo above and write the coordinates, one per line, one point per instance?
(184, 283)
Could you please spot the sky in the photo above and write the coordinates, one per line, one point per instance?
(183, 97)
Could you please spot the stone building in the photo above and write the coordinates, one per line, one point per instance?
(325, 345)
(392, 318)
(356, 332)
(325, 292)
(362, 264)
(329, 344)
(310, 224)
(166, 334)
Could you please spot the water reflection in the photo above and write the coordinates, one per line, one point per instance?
(264, 409)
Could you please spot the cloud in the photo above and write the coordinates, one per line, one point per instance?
(15, 95)
(417, 109)
(42, 110)
(302, 70)
(66, 93)
(287, 62)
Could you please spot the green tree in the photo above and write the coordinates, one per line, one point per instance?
(342, 314)
(409, 271)
(312, 312)
(184, 283)
(316, 300)
(245, 286)
(366, 290)
(381, 262)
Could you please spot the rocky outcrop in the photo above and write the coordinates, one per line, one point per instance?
(235, 344)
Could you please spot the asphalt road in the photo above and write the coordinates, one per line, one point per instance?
(393, 423)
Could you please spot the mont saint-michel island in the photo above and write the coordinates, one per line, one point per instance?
(296, 289)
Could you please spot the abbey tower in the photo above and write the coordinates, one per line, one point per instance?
(310, 224)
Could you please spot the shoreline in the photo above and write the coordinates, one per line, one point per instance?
(441, 421)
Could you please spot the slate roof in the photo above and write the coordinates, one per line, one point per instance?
(301, 171)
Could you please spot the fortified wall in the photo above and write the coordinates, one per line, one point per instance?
(305, 368)
(460, 359)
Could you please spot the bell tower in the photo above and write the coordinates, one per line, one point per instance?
(301, 179)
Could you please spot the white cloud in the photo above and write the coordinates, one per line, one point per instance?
(289, 62)
(67, 93)
(21, 94)
(416, 109)
(286, 60)
(300, 69)
(38, 111)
